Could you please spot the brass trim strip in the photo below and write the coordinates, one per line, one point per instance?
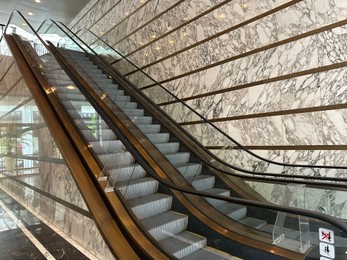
(295, 38)
(175, 29)
(285, 147)
(269, 114)
(270, 12)
(264, 81)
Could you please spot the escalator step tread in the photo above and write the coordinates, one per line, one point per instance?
(166, 224)
(183, 244)
(150, 205)
(209, 253)
(232, 210)
(253, 222)
(202, 182)
(217, 191)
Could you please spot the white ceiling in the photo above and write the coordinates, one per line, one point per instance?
(60, 10)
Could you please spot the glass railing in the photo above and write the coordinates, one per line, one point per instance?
(316, 177)
(224, 149)
(293, 227)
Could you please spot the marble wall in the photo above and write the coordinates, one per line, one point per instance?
(269, 73)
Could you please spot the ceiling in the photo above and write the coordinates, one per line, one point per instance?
(60, 10)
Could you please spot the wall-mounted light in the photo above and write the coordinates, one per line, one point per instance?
(30, 13)
(38, 1)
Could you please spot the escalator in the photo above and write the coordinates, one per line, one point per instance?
(158, 172)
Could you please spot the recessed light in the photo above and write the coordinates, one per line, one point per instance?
(30, 13)
(38, 1)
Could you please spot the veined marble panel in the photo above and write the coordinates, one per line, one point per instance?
(266, 131)
(222, 105)
(77, 21)
(264, 98)
(335, 126)
(220, 19)
(332, 46)
(119, 12)
(168, 21)
(142, 16)
(303, 129)
(296, 19)
(329, 11)
(300, 92)
(298, 56)
(333, 85)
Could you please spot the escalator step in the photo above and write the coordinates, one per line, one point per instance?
(104, 134)
(209, 253)
(168, 148)
(178, 158)
(125, 173)
(116, 159)
(253, 222)
(106, 147)
(137, 187)
(217, 191)
(149, 129)
(166, 224)
(158, 138)
(189, 169)
(141, 120)
(183, 244)
(202, 182)
(134, 112)
(150, 205)
(233, 211)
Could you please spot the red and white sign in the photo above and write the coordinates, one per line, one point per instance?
(326, 235)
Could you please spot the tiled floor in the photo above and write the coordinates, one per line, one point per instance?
(23, 236)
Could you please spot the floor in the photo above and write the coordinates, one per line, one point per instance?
(24, 236)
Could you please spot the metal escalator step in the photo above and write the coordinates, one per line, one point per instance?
(134, 112)
(128, 105)
(124, 173)
(149, 129)
(106, 147)
(168, 148)
(150, 205)
(117, 159)
(202, 182)
(104, 134)
(141, 120)
(232, 210)
(217, 191)
(178, 158)
(253, 222)
(166, 224)
(137, 187)
(158, 138)
(183, 244)
(209, 253)
(189, 169)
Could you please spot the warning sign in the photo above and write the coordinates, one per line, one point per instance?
(327, 250)
(326, 235)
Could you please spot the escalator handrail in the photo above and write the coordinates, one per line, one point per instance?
(297, 211)
(202, 117)
(317, 215)
(278, 177)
